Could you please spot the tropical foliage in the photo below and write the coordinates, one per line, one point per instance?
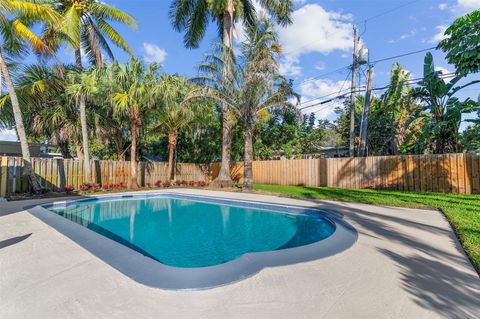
(462, 43)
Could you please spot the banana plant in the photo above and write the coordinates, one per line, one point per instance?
(441, 114)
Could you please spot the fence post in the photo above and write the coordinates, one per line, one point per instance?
(3, 176)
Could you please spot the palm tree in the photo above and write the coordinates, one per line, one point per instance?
(86, 26)
(192, 17)
(15, 16)
(134, 95)
(82, 86)
(173, 115)
(254, 84)
(41, 90)
(441, 113)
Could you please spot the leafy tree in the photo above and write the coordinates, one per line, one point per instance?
(82, 86)
(441, 112)
(462, 44)
(134, 95)
(470, 138)
(15, 18)
(173, 114)
(252, 86)
(48, 112)
(192, 17)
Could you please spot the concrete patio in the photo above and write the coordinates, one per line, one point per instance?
(407, 263)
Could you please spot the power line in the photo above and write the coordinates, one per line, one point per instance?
(372, 62)
(402, 55)
(442, 76)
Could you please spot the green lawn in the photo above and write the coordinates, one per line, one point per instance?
(463, 211)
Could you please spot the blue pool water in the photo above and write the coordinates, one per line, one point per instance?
(189, 233)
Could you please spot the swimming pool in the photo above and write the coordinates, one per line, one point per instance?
(198, 242)
(186, 232)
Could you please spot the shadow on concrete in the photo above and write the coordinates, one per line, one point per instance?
(13, 241)
(437, 286)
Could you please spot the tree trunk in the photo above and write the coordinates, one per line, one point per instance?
(248, 156)
(83, 121)
(79, 151)
(224, 178)
(22, 136)
(133, 155)
(78, 58)
(172, 143)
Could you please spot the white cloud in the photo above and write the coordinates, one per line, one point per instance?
(153, 53)
(8, 135)
(404, 36)
(439, 36)
(316, 30)
(443, 6)
(289, 66)
(460, 7)
(321, 87)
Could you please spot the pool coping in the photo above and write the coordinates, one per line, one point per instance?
(150, 272)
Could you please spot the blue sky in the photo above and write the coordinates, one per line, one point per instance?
(317, 43)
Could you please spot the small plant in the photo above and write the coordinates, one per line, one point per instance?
(167, 184)
(191, 183)
(158, 184)
(148, 184)
(69, 189)
(201, 183)
(85, 187)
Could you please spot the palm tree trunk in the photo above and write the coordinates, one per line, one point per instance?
(22, 136)
(224, 178)
(83, 121)
(79, 150)
(172, 143)
(133, 155)
(78, 58)
(248, 156)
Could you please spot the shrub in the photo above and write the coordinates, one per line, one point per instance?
(167, 184)
(201, 183)
(85, 187)
(69, 188)
(158, 183)
(191, 183)
(148, 184)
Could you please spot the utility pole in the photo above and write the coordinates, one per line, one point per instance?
(352, 92)
(365, 112)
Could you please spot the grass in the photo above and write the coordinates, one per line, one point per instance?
(463, 211)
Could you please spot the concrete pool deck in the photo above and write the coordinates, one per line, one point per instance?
(406, 263)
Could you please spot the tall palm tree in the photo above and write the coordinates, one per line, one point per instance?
(82, 86)
(134, 95)
(86, 27)
(15, 18)
(254, 84)
(173, 114)
(192, 17)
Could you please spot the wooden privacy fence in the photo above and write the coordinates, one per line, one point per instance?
(55, 174)
(450, 173)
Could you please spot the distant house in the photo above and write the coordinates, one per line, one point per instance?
(9, 148)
